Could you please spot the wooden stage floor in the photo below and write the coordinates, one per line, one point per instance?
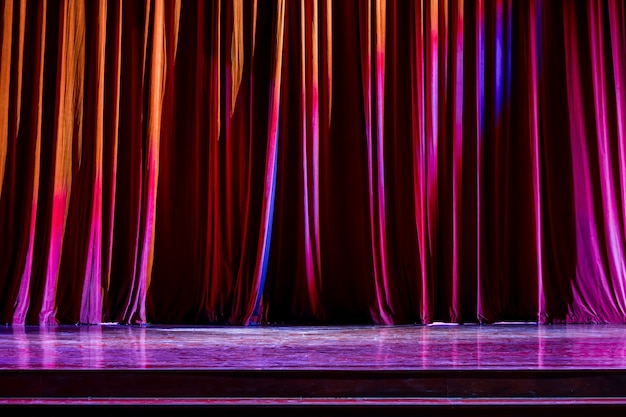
(499, 369)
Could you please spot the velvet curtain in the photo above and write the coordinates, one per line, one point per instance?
(312, 161)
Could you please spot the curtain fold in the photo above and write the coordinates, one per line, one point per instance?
(312, 161)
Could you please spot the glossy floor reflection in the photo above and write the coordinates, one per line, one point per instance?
(497, 346)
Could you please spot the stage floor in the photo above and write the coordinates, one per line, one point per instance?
(436, 347)
(439, 370)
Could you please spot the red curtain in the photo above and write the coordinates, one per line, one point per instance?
(312, 161)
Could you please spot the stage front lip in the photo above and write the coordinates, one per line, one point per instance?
(180, 383)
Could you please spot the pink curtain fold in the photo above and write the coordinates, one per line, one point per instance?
(312, 161)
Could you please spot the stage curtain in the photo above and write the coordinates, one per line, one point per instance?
(312, 161)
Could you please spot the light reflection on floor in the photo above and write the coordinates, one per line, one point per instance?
(497, 346)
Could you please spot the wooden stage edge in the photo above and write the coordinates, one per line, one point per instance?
(317, 392)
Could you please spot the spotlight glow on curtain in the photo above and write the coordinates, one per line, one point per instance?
(312, 161)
